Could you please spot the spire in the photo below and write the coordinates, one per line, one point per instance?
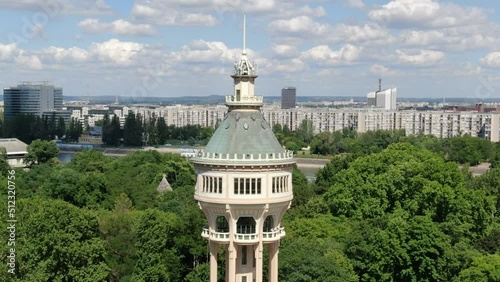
(244, 76)
(244, 51)
(244, 66)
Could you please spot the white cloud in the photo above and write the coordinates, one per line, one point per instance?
(299, 25)
(382, 71)
(426, 14)
(491, 60)
(164, 14)
(476, 37)
(257, 5)
(421, 58)
(368, 32)
(467, 69)
(172, 17)
(29, 61)
(312, 12)
(54, 7)
(120, 27)
(124, 27)
(72, 54)
(355, 4)
(8, 51)
(323, 55)
(119, 52)
(21, 4)
(201, 51)
(290, 66)
(92, 25)
(327, 72)
(284, 50)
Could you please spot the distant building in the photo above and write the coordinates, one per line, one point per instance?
(371, 99)
(66, 115)
(288, 97)
(32, 98)
(382, 99)
(16, 151)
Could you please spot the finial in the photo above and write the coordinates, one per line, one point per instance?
(244, 52)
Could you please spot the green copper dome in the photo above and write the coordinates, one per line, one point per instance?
(244, 132)
(244, 136)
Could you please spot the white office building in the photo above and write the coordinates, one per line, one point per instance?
(383, 99)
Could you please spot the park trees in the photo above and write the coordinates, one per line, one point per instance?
(133, 130)
(402, 214)
(111, 132)
(40, 151)
(57, 241)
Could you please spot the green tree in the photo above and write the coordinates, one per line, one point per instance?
(395, 248)
(467, 149)
(91, 161)
(401, 175)
(4, 165)
(74, 131)
(163, 131)
(118, 228)
(60, 128)
(40, 151)
(114, 132)
(325, 142)
(106, 129)
(56, 241)
(200, 273)
(483, 269)
(157, 260)
(304, 259)
(305, 131)
(133, 130)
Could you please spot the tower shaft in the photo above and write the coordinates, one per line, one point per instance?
(244, 185)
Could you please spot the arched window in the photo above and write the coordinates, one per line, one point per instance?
(221, 224)
(268, 224)
(245, 225)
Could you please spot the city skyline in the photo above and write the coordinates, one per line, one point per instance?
(186, 48)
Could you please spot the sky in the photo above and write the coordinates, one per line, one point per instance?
(175, 48)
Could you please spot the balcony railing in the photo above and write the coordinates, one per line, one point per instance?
(242, 237)
(274, 234)
(284, 155)
(245, 99)
(216, 236)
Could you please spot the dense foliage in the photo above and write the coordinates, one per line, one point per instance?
(138, 131)
(31, 127)
(403, 214)
(462, 149)
(398, 213)
(40, 151)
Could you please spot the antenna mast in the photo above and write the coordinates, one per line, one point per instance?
(88, 94)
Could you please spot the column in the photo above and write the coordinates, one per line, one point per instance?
(258, 262)
(231, 263)
(213, 261)
(273, 261)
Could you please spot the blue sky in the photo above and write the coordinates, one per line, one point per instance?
(173, 48)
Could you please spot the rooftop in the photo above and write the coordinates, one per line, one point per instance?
(13, 146)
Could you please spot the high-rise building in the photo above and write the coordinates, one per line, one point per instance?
(244, 185)
(383, 99)
(31, 98)
(288, 97)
